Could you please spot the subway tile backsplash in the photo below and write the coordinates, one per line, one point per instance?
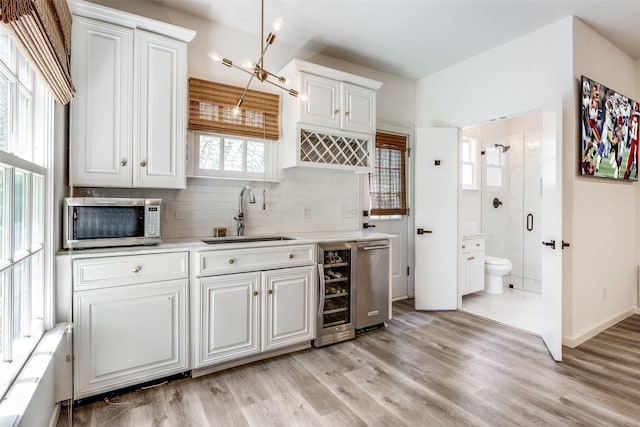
(304, 200)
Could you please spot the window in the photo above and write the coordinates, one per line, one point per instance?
(225, 156)
(23, 176)
(469, 161)
(387, 184)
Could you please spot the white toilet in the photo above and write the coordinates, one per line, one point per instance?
(495, 269)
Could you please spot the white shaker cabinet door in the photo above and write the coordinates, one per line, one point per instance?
(322, 106)
(289, 303)
(127, 335)
(160, 103)
(101, 111)
(359, 108)
(227, 316)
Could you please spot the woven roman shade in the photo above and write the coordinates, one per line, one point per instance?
(387, 184)
(211, 105)
(42, 31)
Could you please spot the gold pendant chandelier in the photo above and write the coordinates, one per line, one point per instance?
(256, 69)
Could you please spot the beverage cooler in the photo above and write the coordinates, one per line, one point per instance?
(336, 293)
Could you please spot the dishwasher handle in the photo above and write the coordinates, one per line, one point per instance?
(321, 290)
(371, 248)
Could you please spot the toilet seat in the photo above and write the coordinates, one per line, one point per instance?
(494, 260)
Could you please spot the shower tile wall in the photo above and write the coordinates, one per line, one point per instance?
(505, 226)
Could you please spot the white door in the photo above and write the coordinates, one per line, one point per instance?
(358, 109)
(289, 306)
(552, 229)
(100, 125)
(160, 101)
(436, 218)
(228, 308)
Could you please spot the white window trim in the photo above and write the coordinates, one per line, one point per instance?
(474, 146)
(42, 135)
(270, 161)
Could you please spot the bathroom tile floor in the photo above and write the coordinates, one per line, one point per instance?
(520, 309)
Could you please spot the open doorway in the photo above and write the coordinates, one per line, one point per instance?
(501, 204)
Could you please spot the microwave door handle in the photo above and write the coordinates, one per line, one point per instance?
(322, 289)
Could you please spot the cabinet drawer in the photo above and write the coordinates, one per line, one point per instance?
(126, 270)
(238, 260)
(472, 245)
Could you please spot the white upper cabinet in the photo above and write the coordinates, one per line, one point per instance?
(160, 128)
(333, 122)
(128, 118)
(101, 137)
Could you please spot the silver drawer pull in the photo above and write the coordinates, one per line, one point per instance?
(471, 258)
(231, 261)
(137, 268)
(290, 256)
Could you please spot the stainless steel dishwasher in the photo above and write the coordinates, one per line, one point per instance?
(372, 283)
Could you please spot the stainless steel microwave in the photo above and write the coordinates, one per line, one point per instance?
(94, 222)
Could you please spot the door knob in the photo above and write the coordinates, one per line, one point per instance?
(550, 243)
(565, 244)
(423, 231)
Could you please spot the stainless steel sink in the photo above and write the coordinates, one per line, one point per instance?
(246, 239)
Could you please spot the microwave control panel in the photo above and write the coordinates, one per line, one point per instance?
(152, 221)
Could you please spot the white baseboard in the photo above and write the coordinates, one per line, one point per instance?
(53, 422)
(576, 341)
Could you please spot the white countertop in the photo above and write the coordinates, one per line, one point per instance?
(174, 245)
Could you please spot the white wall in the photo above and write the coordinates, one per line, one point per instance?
(606, 215)
(333, 197)
(511, 78)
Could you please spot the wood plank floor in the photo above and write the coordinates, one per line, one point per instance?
(424, 368)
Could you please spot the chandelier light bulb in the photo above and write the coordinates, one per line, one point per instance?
(235, 111)
(215, 56)
(277, 24)
(248, 64)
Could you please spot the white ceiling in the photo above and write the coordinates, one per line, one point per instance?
(414, 38)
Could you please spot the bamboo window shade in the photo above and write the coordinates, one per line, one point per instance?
(387, 184)
(42, 31)
(211, 109)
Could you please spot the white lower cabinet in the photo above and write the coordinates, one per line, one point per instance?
(131, 326)
(471, 266)
(243, 314)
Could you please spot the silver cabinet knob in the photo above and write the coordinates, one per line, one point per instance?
(290, 256)
(143, 163)
(270, 291)
(471, 258)
(231, 260)
(137, 268)
(464, 247)
(346, 114)
(336, 111)
(255, 293)
(123, 163)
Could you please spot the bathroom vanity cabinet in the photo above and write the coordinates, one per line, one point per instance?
(471, 265)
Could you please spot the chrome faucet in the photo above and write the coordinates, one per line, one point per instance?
(240, 218)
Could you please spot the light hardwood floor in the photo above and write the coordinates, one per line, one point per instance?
(424, 368)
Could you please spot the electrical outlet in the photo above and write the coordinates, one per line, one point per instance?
(604, 294)
(307, 211)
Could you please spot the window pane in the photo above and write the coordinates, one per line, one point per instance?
(37, 285)
(465, 151)
(233, 155)
(5, 112)
(209, 157)
(24, 143)
(467, 174)
(2, 314)
(24, 72)
(4, 255)
(18, 298)
(5, 48)
(37, 211)
(20, 212)
(255, 156)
